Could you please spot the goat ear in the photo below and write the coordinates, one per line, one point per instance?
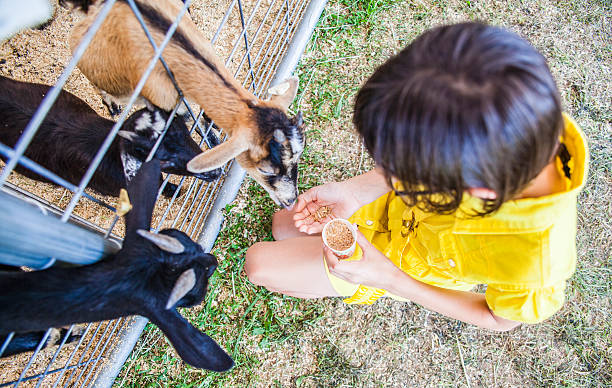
(284, 93)
(183, 285)
(163, 241)
(264, 167)
(194, 347)
(218, 156)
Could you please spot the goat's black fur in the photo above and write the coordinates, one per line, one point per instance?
(136, 280)
(83, 5)
(71, 134)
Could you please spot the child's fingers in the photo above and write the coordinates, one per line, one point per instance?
(312, 207)
(305, 221)
(304, 211)
(300, 211)
(314, 227)
(302, 226)
(330, 257)
(362, 241)
(306, 216)
(305, 198)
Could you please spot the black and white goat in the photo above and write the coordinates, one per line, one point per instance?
(263, 139)
(71, 134)
(151, 275)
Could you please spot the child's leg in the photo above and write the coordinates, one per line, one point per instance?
(283, 226)
(292, 267)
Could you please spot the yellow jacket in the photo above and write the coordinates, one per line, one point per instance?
(524, 252)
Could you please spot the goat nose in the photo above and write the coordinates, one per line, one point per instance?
(167, 164)
(209, 176)
(211, 264)
(210, 270)
(289, 204)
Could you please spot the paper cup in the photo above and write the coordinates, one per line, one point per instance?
(345, 254)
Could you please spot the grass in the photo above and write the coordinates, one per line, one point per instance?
(280, 341)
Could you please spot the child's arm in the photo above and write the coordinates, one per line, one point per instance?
(465, 306)
(376, 270)
(344, 198)
(369, 186)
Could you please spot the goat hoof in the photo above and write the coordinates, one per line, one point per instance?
(169, 190)
(186, 116)
(44, 25)
(76, 333)
(112, 107)
(115, 110)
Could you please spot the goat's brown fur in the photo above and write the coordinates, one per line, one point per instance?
(120, 52)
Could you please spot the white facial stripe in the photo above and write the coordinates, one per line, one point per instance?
(143, 122)
(160, 123)
(131, 165)
(296, 141)
(296, 146)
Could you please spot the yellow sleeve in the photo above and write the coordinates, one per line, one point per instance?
(526, 305)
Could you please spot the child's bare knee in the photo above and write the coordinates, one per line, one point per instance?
(254, 265)
(279, 224)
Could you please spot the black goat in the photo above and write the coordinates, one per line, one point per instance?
(71, 134)
(151, 275)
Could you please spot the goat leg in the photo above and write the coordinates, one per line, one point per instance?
(111, 103)
(195, 347)
(169, 189)
(26, 342)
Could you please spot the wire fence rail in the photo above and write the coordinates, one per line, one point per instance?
(263, 36)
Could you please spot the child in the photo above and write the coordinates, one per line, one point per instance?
(476, 182)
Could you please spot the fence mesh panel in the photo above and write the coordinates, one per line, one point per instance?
(252, 36)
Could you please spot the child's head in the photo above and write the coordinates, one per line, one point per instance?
(463, 106)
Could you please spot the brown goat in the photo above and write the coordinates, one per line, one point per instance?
(262, 138)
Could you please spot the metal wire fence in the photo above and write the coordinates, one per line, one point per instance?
(253, 37)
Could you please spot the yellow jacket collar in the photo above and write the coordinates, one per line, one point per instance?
(531, 214)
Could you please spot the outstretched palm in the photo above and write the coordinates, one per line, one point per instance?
(321, 204)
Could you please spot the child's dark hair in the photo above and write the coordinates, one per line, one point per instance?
(463, 106)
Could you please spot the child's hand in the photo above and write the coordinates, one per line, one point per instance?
(374, 269)
(339, 197)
